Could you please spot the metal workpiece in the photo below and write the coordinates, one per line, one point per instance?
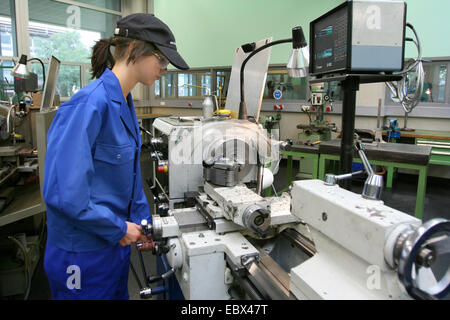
(229, 159)
(223, 172)
(259, 180)
(157, 227)
(257, 219)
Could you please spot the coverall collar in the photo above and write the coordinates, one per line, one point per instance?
(127, 113)
(112, 85)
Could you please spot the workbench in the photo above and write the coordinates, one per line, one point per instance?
(301, 151)
(27, 202)
(438, 140)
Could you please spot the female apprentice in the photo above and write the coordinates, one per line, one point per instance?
(92, 184)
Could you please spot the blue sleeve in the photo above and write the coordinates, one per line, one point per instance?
(141, 208)
(69, 169)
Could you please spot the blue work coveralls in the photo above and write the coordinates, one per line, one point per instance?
(92, 185)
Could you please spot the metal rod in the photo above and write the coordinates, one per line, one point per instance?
(405, 125)
(349, 87)
(135, 276)
(144, 272)
(162, 189)
(365, 161)
(301, 241)
(379, 114)
(274, 191)
(248, 287)
(259, 181)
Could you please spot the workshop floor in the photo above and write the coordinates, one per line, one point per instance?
(402, 197)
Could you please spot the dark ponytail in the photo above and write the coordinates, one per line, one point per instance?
(101, 57)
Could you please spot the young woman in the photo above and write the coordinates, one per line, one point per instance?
(92, 184)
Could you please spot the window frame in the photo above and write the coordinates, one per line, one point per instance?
(23, 39)
(389, 108)
(193, 102)
(91, 7)
(423, 109)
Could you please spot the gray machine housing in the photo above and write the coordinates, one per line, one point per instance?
(359, 36)
(183, 176)
(184, 159)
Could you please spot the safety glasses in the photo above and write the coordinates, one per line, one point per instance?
(163, 62)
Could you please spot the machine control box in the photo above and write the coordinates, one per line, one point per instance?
(359, 36)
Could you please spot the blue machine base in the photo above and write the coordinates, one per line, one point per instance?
(174, 292)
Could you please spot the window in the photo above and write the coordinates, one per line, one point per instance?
(158, 88)
(179, 85)
(7, 80)
(435, 84)
(222, 82)
(291, 88)
(194, 84)
(8, 48)
(87, 74)
(167, 86)
(69, 32)
(8, 43)
(106, 4)
(186, 83)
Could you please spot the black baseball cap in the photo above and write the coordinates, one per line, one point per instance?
(146, 27)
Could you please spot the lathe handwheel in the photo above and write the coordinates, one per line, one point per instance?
(420, 249)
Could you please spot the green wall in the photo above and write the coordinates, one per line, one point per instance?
(431, 19)
(208, 31)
